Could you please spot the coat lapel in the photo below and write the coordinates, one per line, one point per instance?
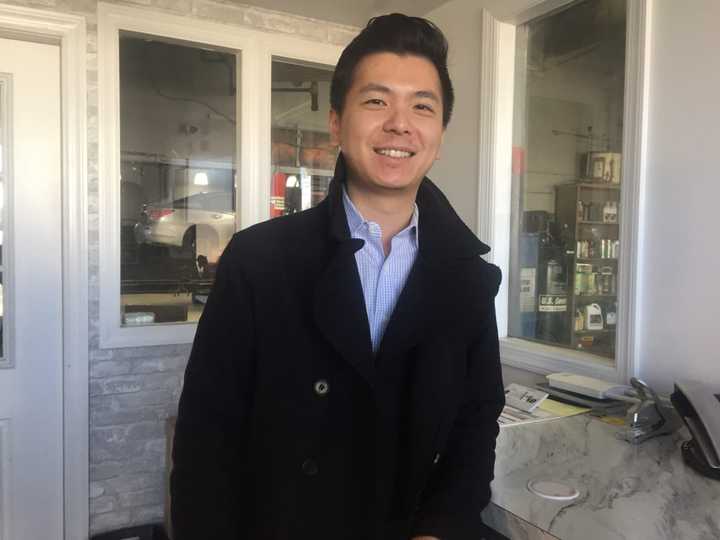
(430, 294)
(340, 310)
(413, 313)
(339, 304)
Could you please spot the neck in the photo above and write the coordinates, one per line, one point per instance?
(392, 210)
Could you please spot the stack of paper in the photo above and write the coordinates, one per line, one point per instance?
(549, 409)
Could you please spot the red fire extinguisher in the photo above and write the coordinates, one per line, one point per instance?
(277, 195)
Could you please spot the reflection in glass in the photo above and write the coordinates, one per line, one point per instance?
(303, 159)
(567, 169)
(178, 125)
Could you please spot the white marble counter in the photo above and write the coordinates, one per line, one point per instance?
(627, 492)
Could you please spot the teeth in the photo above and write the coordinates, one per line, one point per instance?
(390, 152)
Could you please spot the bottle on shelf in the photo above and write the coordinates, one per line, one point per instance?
(579, 320)
(582, 278)
(607, 281)
(611, 315)
(554, 280)
(593, 317)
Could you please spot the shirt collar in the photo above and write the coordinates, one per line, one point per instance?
(355, 219)
(444, 235)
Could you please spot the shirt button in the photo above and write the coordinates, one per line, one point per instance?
(321, 387)
(310, 467)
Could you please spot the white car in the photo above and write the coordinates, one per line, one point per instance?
(200, 224)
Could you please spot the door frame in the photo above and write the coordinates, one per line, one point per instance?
(68, 31)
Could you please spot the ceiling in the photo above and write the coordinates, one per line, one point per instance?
(354, 13)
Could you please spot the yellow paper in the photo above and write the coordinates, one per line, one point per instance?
(613, 420)
(561, 409)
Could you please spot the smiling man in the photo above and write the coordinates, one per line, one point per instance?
(345, 382)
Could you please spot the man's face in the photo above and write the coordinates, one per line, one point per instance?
(391, 128)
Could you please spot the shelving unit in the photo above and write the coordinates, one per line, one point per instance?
(579, 214)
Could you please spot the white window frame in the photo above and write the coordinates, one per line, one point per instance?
(253, 178)
(7, 299)
(495, 186)
(287, 49)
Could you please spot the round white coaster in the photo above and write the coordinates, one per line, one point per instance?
(553, 489)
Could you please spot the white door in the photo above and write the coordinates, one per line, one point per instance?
(31, 400)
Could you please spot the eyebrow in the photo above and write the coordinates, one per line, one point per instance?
(374, 87)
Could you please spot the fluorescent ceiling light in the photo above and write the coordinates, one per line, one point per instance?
(200, 179)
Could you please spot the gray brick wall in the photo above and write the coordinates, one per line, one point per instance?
(133, 390)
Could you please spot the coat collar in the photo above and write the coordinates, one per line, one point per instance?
(428, 298)
(442, 234)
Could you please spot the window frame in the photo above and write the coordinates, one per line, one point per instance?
(255, 49)
(7, 299)
(290, 49)
(495, 188)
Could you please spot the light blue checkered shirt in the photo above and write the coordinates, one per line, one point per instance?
(382, 278)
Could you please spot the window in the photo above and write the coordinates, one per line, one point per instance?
(189, 131)
(177, 185)
(567, 176)
(303, 159)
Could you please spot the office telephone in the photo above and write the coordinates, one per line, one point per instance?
(699, 407)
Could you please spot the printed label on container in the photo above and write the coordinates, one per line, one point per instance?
(552, 303)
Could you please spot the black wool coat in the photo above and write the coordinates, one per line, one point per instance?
(290, 428)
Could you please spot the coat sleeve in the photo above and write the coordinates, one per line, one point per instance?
(210, 435)
(459, 485)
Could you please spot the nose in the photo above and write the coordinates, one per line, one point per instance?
(398, 122)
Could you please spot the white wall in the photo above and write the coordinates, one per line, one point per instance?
(457, 170)
(680, 305)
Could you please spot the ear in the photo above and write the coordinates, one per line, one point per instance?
(334, 126)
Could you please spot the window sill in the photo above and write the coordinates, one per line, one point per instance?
(544, 359)
(150, 335)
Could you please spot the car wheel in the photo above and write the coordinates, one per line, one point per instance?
(206, 243)
(189, 242)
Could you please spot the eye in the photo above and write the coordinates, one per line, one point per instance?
(425, 107)
(374, 101)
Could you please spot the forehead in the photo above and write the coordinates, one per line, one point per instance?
(397, 72)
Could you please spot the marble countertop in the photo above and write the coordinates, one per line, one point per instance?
(627, 492)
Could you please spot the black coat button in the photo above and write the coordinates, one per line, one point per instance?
(310, 467)
(321, 387)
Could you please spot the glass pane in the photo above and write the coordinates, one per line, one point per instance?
(178, 125)
(567, 169)
(303, 159)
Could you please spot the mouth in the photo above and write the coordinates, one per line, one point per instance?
(394, 152)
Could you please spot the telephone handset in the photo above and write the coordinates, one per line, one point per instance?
(699, 407)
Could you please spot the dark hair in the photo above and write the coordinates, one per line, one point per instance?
(399, 34)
